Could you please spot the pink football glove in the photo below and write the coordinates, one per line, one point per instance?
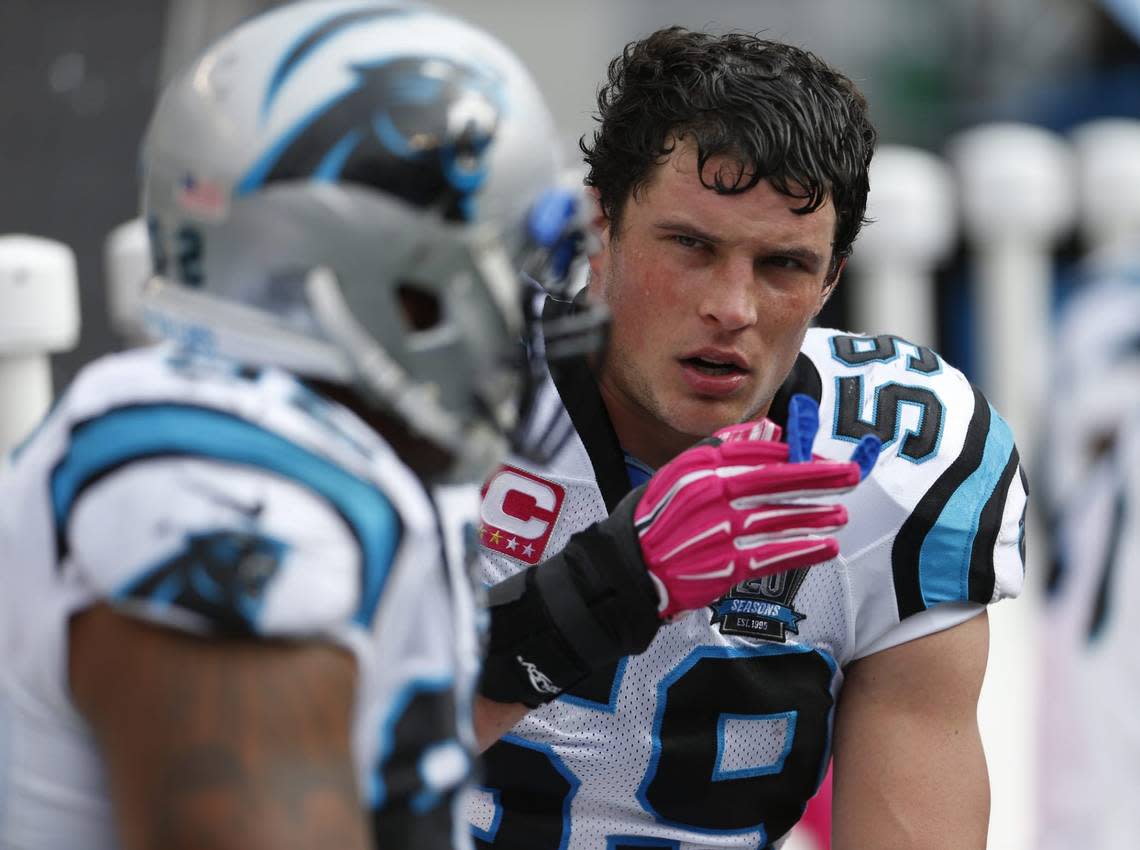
(730, 509)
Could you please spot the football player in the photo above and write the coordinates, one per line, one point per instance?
(237, 610)
(731, 174)
(236, 606)
(1086, 771)
(1088, 774)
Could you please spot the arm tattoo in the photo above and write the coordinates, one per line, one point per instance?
(220, 744)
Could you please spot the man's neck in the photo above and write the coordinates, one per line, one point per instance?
(641, 434)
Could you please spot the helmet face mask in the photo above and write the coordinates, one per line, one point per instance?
(325, 198)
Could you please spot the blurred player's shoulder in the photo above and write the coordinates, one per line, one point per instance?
(187, 483)
(1104, 310)
(165, 388)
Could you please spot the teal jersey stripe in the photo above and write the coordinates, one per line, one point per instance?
(944, 559)
(128, 434)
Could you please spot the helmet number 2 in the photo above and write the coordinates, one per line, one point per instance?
(188, 253)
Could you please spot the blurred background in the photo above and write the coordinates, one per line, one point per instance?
(77, 81)
(985, 193)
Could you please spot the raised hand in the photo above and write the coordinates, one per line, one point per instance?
(732, 508)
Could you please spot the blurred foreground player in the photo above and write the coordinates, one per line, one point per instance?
(732, 179)
(236, 607)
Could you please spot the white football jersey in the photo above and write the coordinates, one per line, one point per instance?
(221, 501)
(720, 732)
(1095, 375)
(1088, 774)
(1090, 761)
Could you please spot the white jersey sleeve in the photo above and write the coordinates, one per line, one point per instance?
(212, 516)
(937, 530)
(223, 501)
(216, 546)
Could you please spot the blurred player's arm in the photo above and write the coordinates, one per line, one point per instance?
(909, 766)
(219, 743)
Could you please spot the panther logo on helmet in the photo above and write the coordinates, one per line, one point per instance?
(426, 147)
(330, 165)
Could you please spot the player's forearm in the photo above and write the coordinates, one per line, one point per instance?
(208, 799)
(934, 812)
(217, 743)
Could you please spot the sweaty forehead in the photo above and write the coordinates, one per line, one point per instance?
(729, 169)
(676, 189)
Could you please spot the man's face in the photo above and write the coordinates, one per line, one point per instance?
(711, 296)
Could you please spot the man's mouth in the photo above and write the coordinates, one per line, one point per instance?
(714, 366)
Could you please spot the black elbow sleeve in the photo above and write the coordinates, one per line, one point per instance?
(552, 625)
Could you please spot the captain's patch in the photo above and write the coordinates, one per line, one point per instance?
(518, 514)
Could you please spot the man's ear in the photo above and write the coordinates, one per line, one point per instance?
(600, 223)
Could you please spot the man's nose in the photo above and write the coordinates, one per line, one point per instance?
(730, 297)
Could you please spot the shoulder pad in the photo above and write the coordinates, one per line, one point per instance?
(205, 515)
(949, 491)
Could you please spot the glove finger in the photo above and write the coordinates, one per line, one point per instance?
(763, 429)
(783, 555)
(705, 526)
(784, 520)
(867, 453)
(803, 424)
(682, 472)
(699, 583)
(751, 453)
(773, 482)
(664, 541)
(685, 474)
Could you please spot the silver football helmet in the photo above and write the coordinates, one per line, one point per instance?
(348, 190)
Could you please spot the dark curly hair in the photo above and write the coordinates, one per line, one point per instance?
(779, 111)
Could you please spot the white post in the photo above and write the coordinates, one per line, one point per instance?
(1108, 182)
(39, 314)
(1018, 198)
(127, 267)
(914, 220)
(1016, 184)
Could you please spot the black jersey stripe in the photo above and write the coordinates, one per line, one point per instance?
(982, 556)
(578, 389)
(313, 39)
(908, 542)
(804, 378)
(1108, 568)
(577, 386)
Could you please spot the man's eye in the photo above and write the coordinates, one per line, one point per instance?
(687, 241)
(784, 262)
